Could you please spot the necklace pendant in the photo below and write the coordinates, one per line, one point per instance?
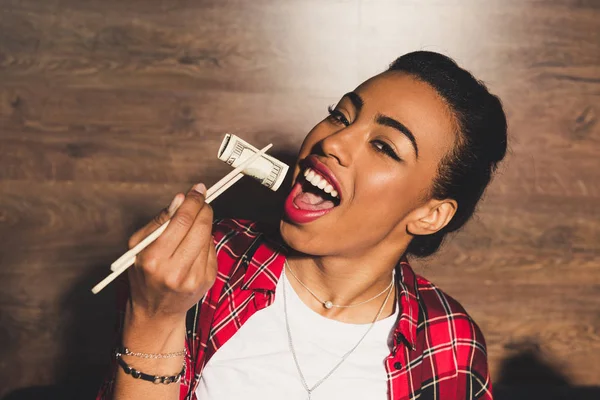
(328, 304)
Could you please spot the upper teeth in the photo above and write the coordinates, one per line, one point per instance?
(317, 180)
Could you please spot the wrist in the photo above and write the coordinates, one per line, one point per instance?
(153, 334)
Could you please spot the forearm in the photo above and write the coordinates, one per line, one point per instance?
(141, 334)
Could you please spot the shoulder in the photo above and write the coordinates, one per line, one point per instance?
(226, 229)
(447, 321)
(454, 342)
(234, 237)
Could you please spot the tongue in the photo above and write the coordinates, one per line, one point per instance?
(312, 202)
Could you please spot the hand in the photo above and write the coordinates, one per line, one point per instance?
(177, 269)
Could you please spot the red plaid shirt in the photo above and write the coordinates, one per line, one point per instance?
(438, 350)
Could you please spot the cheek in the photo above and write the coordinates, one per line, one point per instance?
(378, 187)
(387, 193)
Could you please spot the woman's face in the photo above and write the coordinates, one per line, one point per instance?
(379, 149)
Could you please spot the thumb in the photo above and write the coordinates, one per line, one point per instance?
(175, 204)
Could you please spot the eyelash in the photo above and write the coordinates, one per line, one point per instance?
(338, 117)
(386, 149)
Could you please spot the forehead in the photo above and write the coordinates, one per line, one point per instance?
(415, 104)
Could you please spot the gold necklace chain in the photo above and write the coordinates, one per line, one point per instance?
(328, 304)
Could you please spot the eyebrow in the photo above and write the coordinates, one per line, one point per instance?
(356, 100)
(358, 103)
(392, 123)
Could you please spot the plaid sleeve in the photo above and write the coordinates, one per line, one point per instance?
(475, 374)
(454, 357)
(473, 378)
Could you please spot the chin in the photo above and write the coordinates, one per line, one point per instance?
(306, 239)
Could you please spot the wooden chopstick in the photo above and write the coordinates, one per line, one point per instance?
(127, 259)
(217, 192)
(130, 259)
(210, 194)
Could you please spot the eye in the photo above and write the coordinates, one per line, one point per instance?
(386, 149)
(337, 116)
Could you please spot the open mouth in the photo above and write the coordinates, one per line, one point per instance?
(316, 193)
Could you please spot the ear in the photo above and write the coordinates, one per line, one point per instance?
(431, 217)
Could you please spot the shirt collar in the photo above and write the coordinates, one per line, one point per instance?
(408, 301)
(266, 257)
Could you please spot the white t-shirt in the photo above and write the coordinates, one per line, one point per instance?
(256, 363)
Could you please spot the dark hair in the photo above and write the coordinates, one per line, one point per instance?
(464, 173)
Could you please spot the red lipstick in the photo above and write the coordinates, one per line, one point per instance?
(294, 211)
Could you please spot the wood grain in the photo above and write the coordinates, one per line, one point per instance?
(108, 108)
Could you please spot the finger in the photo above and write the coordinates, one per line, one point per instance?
(210, 271)
(196, 239)
(182, 220)
(202, 273)
(157, 221)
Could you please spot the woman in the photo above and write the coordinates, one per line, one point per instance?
(327, 306)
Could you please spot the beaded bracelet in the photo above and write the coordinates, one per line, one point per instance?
(147, 377)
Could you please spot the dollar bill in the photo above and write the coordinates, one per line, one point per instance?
(268, 170)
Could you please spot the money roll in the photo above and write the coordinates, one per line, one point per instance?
(268, 170)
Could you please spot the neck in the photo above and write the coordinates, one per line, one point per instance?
(345, 281)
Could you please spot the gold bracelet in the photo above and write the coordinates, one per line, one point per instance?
(126, 352)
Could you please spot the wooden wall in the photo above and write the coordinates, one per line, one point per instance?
(108, 108)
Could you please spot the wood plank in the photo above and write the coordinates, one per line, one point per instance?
(140, 144)
(108, 108)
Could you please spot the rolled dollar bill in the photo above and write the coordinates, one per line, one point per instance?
(268, 170)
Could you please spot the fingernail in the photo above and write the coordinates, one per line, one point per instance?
(200, 188)
(175, 203)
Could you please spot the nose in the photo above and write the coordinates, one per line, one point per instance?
(341, 145)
